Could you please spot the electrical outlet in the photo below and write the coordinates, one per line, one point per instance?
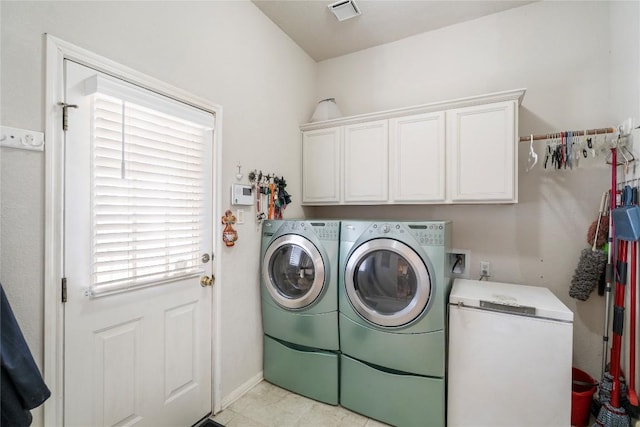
(485, 268)
(240, 216)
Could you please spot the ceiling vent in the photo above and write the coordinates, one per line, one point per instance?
(344, 9)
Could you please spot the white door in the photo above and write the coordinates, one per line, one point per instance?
(137, 232)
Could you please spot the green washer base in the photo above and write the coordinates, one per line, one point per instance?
(318, 330)
(308, 372)
(398, 399)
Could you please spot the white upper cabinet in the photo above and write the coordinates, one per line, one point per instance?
(366, 153)
(417, 158)
(482, 153)
(321, 166)
(460, 151)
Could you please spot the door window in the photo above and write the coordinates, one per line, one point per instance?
(293, 271)
(387, 282)
(148, 187)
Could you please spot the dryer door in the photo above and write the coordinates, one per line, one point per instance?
(293, 271)
(387, 282)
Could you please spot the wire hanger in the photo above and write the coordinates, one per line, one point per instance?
(625, 156)
(533, 157)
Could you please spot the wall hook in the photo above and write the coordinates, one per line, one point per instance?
(239, 175)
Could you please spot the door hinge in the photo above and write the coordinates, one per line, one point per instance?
(64, 289)
(65, 114)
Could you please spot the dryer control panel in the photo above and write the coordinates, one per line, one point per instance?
(431, 236)
(425, 233)
(386, 229)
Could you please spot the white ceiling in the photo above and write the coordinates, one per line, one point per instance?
(313, 27)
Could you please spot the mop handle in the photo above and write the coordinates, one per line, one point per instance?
(603, 207)
(618, 323)
(633, 396)
(611, 264)
(632, 325)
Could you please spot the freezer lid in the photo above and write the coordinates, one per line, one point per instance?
(519, 299)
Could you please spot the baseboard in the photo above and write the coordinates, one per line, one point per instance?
(240, 391)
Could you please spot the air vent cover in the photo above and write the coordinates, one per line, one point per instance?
(344, 9)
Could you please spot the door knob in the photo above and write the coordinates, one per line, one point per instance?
(207, 281)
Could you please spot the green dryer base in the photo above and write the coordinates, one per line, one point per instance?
(308, 372)
(398, 399)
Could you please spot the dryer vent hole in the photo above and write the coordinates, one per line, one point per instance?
(459, 263)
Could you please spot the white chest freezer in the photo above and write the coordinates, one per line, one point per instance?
(510, 356)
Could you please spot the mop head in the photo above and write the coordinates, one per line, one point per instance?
(603, 232)
(606, 387)
(612, 417)
(587, 274)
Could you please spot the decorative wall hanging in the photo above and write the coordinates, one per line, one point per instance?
(229, 234)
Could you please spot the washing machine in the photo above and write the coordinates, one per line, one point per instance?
(394, 288)
(299, 292)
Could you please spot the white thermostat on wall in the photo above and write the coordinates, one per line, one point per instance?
(241, 195)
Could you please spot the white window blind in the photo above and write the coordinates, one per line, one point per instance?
(147, 194)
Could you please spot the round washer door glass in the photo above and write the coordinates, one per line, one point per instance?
(387, 282)
(293, 271)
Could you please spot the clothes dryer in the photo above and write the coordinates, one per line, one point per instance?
(394, 287)
(299, 292)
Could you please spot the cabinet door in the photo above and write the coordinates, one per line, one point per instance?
(482, 153)
(321, 166)
(417, 156)
(366, 154)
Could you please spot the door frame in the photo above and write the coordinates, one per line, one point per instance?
(56, 51)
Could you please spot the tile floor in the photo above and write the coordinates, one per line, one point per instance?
(266, 405)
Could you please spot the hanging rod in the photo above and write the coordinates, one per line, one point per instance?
(600, 131)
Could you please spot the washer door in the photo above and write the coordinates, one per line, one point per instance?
(387, 282)
(293, 271)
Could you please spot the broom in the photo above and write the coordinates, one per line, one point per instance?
(591, 264)
(611, 413)
(631, 405)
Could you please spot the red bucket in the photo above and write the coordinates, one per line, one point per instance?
(582, 390)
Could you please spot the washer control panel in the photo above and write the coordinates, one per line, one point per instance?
(295, 225)
(326, 230)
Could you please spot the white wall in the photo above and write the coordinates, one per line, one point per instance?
(227, 52)
(559, 51)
